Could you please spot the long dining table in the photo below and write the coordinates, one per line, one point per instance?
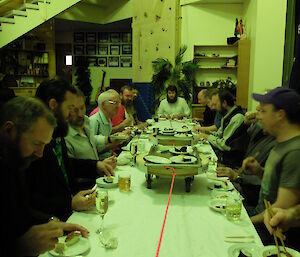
(135, 218)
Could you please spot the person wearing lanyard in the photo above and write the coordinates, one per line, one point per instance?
(26, 126)
(80, 141)
(53, 178)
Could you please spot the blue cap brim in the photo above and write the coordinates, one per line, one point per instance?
(261, 98)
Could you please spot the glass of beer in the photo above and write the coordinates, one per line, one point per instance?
(233, 206)
(124, 181)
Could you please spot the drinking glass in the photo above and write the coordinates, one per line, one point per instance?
(233, 206)
(124, 181)
(133, 151)
(101, 206)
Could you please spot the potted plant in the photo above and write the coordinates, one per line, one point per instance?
(181, 74)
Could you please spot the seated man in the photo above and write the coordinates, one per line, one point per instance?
(100, 123)
(204, 98)
(139, 104)
(174, 106)
(228, 140)
(80, 141)
(26, 126)
(259, 146)
(208, 114)
(279, 113)
(54, 190)
(122, 119)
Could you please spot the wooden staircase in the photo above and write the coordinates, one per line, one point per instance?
(27, 16)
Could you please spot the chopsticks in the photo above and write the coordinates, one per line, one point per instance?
(276, 233)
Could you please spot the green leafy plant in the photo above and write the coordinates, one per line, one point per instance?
(181, 74)
(225, 84)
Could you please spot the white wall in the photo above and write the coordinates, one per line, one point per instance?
(264, 23)
(266, 30)
(209, 24)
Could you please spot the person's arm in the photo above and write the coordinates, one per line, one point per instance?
(186, 108)
(286, 198)
(161, 109)
(220, 142)
(283, 218)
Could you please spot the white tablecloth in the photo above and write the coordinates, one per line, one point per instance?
(192, 229)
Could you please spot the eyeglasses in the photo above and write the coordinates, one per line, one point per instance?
(114, 102)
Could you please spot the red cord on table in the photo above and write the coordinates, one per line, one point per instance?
(163, 226)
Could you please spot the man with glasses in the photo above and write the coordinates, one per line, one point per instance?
(109, 102)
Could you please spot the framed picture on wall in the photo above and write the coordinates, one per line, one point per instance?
(92, 61)
(78, 49)
(103, 37)
(102, 61)
(79, 60)
(126, 61)
(78, 37)
(103, 49)
(91, 37)
(114, 37)
(126, 49)
(113, 61)
(114, 49)
(126, 37)
(91, 50)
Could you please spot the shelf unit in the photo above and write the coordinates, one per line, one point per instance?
(29, 66)
(213, 65)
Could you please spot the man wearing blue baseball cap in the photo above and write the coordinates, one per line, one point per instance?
(279, 113)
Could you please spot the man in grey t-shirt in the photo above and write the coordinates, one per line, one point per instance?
(279, 113)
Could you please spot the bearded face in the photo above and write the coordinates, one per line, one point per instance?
(62, 122)
(171, 97)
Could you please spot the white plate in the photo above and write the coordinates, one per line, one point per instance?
(167, 133)
(189, 150)
(101, 183)
(234, 250)
(120, 137)
(218, 205)
(180, 159)
(183, 135)
(220, 185)
(222, 195)
(76, 249)
(271, 249)
(212, 175)
(183, 130)
(150, 121)
(157, 159)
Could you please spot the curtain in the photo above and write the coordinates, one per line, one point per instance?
(294, 81)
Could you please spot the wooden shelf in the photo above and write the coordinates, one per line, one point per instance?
(214, 57)
(36, 76)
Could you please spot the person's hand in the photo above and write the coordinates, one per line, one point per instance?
(250, 117)
(283, 218)
(104, 168)
(199, 129)
(251, 166)
(128, 122)
(226, 172)
(42, 238)
(196, 119)
(84, 200)
(112, 161)
(142, 125)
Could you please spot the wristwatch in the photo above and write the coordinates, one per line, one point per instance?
(53, 218)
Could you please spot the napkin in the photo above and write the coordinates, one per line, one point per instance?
(238, 236)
